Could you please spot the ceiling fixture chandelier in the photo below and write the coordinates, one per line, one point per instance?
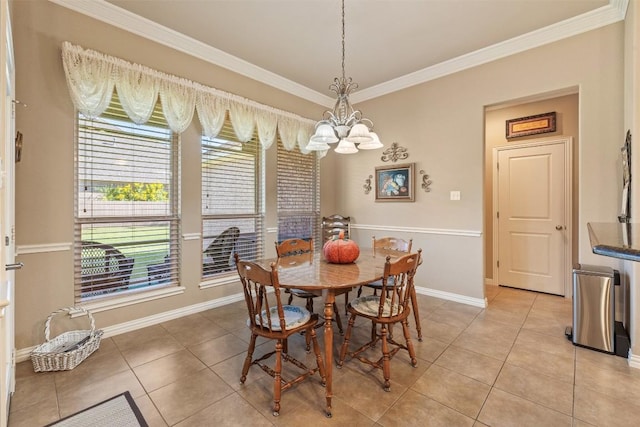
(343, 124)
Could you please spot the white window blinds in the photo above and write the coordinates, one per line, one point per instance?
(232, 201)
(298, 195)
(127, 190)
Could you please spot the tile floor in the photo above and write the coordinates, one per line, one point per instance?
(507, 365)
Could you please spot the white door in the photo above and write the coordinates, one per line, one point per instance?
(533, 205)
(7, 241)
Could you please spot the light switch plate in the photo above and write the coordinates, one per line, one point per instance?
(455, 195)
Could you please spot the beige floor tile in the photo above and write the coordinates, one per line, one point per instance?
(230, 371)
(415, 409)
(138, 337)
(467, 345)
(149, 412)
(373, 403)
(229, 411)
(32, 390)
(454, 314)
(473, 365)
(554, 345)
(152, 349)
(167, 369)
(505, 409)
(547, 323)
(456, 391)
(218, 349)
(75, 396)
(604, 410)
(502, 315)
(39, 414)
(497, 347)
(553, 365)
(538, 388)
(619, 383)
(193, 329)
(183, 398)
(95, 367)
(444, 332)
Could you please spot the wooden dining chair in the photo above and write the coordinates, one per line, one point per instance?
(270, 319)
(391, 306)
(399, 245)
(297, 246)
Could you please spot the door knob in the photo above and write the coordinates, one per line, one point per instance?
(559, 227)
(16, 266)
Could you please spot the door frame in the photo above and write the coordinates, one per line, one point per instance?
(567, 142)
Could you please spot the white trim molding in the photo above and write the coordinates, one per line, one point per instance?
(103, 11)
(417, 230)
(476, 302)
(633, 360)
(132, 298)
(121, 328)
(43, 248)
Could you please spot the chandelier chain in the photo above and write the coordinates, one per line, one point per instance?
(343, 42)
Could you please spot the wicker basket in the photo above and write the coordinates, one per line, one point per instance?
(68, 349)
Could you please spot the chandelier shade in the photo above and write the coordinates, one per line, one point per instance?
(344, 124)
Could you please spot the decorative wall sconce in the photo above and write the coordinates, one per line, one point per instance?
(394, 153)
(367, 185)
(426, 182)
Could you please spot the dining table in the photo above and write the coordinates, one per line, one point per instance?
(311, 272)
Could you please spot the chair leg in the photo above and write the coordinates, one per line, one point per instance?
(307, 340)
(338, 320)
(290, 299)
(316, 349)
(309, 305)
(407, 338)
(386, 360)
(416, 315)
(345, 343)
(277, 384)
(247, 360)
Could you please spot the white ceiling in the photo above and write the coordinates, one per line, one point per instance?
(295, 45)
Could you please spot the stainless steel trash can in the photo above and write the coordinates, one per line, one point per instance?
(594, 307)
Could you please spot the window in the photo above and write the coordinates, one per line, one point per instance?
(298, 195)
(127, 215)
(232, 201)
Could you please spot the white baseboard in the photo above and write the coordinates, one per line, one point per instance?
(633, 360)
(488, 281)
(121, 328)
(476, 302)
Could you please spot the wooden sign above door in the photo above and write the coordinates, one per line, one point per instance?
(531, 125)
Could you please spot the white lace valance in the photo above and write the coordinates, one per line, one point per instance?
(91, 77)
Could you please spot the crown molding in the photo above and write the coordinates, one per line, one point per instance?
(123, 19)
(614, 12)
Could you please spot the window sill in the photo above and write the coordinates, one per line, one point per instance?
(129, 299)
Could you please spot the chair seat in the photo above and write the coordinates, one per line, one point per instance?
(304, 294)
(377, 284)
(294, 316)
(370, 304)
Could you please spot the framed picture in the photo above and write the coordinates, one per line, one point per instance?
(394, 183)
(531, 125)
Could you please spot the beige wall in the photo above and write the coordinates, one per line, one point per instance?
(441, 123)
(44, 177)
(632, 122)
(566, 108)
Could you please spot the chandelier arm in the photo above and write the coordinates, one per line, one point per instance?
(347, 123)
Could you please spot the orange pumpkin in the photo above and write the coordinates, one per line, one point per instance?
(341, 250)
